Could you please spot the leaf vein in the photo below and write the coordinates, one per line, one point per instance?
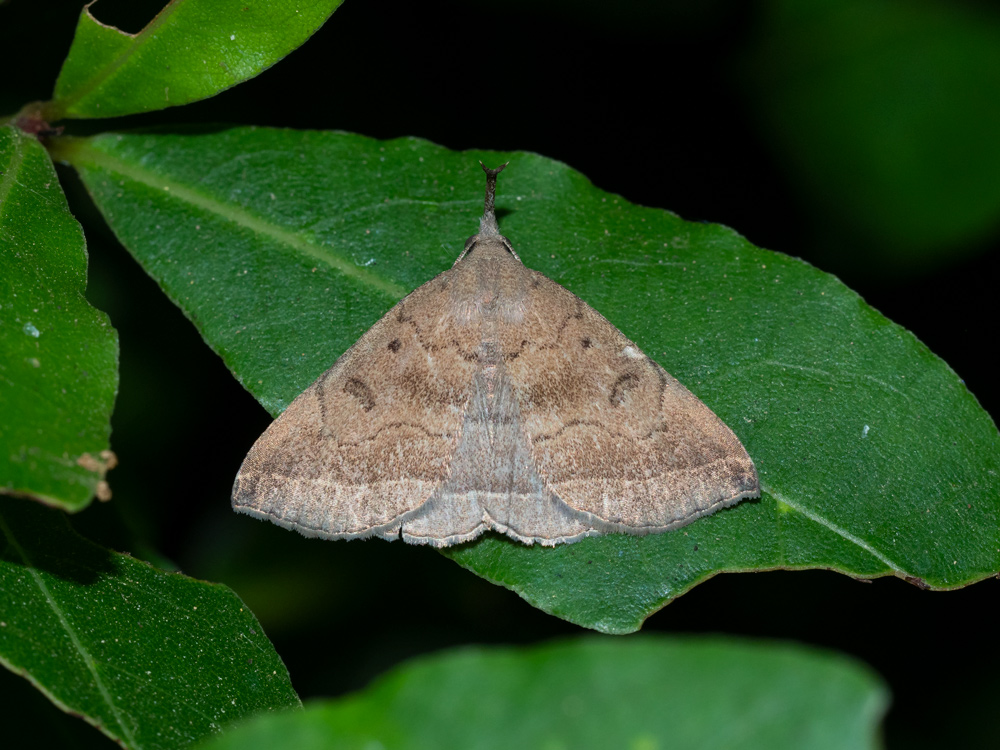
(844, 533)
(81, 153)
(88, 660)
(833, 377)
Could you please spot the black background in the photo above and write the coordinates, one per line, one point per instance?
(646, 102)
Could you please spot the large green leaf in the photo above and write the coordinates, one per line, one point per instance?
(192, 50)
(283, 247)
(152, 659)
(58, 355)
(590, 693)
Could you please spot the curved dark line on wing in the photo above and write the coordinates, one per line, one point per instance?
(661, 427)
(388, 425)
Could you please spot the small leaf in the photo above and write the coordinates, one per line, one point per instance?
(192, 50)
(152, 659)
(590, 693)
(283, 247)
(58, 355)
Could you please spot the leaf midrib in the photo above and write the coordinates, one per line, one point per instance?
(8, 179)
(81, 154)
(843, 533)
(85, 655)
(106, 72)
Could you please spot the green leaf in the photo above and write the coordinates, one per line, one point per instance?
(283, 247)
(192, 50)
(58, 355)
(887, 114)
(590, 693)
(152, 659)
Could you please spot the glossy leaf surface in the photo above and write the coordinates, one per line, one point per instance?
(153, 659)
(58, 355)
(192, 50)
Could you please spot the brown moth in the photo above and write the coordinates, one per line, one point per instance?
(493, 398)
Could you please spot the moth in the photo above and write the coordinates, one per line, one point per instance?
(492, 398)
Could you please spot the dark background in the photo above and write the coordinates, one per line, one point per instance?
(754, 115)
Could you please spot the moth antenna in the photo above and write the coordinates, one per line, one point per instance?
(488, 224)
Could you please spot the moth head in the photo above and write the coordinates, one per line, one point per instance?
(489, 230)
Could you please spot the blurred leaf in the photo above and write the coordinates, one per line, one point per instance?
(192, 50)
(888, 115)
(283, 247)
(152, 659)
(590, 693)
(58, 355)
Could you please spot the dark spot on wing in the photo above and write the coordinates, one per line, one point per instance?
(622, 385)
(361, 392)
